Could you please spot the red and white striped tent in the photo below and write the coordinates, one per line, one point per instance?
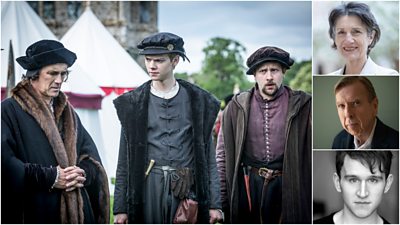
(111, 68)
(22, 26)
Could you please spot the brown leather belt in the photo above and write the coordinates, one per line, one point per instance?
(268, 174)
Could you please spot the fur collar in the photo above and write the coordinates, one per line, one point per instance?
(63, 121)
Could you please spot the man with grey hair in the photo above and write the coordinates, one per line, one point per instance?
(51, 171)
(357, 106)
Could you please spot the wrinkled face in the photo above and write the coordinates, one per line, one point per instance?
(160, 67)
(269, 77)
(361, 190)
(51, 77)
(356, 112)
(351, 38)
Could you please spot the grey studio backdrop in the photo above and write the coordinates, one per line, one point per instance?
(326, 123)
(327, 200)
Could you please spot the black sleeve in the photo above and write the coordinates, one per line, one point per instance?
(121, 181)
(40, 177)
(15, 172)
(90, 171)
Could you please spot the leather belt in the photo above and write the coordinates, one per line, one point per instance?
(266, 173)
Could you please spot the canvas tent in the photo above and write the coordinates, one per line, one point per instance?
(21, 25)
(112, 69)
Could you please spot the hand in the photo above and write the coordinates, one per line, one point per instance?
(70, 178)
(121, 218)
(215, 216)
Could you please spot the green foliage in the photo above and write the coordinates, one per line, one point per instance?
(292, 72)
(183, 76)
(222, 67)
(111, 209)
(302, 79)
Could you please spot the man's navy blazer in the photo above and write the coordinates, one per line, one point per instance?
(384, 137)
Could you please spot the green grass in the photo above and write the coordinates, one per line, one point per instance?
(112, 203)
(111, 209)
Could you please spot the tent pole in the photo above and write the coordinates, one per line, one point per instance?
(10, 71)
(87, 4)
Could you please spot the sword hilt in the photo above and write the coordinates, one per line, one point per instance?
(151, 164)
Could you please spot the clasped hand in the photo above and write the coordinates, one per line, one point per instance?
(70, 178)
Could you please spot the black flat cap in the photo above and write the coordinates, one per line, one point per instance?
(266, 54)
(162, 43)
(44, 53)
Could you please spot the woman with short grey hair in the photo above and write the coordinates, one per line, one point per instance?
(354, 31)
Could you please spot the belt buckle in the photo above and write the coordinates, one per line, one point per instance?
(265, 172)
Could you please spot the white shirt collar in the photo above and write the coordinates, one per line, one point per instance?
(166, 95)
(367, 143)
(370, 68)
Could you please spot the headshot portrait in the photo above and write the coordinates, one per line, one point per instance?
(356, 112)
(355, 38)
(355, 187)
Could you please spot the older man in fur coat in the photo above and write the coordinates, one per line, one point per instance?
(51, 171)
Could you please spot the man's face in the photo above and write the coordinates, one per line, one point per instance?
(269, 77)
(351, 38)
(361, 190)
(51, 77)
(160, 67)
(356, 112)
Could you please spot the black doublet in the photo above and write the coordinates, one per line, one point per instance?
(132, 110)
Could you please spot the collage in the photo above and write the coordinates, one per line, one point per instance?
(350, 184)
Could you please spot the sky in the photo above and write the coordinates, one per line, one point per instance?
(254, 24)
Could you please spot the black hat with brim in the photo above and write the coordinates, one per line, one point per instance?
(162, 43)
(44, 53)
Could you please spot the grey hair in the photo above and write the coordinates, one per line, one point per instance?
(362, 11)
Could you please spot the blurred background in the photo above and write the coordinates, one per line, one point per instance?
(220, 36)
(327, 200)
(386, 51)
(326, 123)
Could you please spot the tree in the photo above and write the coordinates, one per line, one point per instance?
(222, 67)
(183, 76)
(302, 79)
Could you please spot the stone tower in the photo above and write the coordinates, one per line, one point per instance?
(128, 21)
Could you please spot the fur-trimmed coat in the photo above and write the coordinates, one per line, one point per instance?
(34, 141)
(132, 110)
